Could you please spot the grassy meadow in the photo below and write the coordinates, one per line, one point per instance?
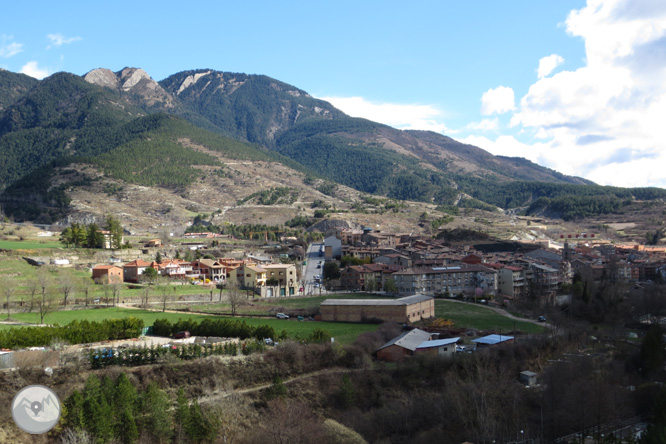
(480, 317)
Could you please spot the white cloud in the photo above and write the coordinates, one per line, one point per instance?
(507, 146)
(58, 40)
(484, 125)
(548, 64)
(8, 47)
(497, 101)
(33, 70)
(402, 116)
(604, 121)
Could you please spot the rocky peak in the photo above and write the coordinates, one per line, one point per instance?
(191, 80)
(135, 80)
(130, 77)
(102, 77)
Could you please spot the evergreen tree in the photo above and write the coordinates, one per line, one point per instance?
(94, 237)
(652, 350)
(155, 408)
(181, 416)
(98, 418)
(656, 431)
(127, 432)
(116, 230)
(74, 408)
(124, 397)
(199, 428)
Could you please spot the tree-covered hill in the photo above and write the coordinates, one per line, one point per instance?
(61, 116)
(132, 129)
(250, 107)
(13, 87)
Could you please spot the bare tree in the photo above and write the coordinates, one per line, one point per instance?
(115, 291)
(85, 285)
(167, 292)
(235, 416)
(44, 302)
(33, 287)
(8, 289)
(67, 285)
(106, 287)
(145, 295)
(289, 423)
(235, 298)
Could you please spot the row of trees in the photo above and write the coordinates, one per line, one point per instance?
(38, 294)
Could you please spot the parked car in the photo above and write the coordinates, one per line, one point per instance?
(282, 316)
(182, 335)
(541, 319)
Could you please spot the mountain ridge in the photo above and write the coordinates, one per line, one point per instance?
(68, 119)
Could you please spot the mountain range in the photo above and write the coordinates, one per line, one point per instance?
(68, 136)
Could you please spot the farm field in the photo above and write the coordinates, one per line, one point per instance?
(343, 333)
(270, 306)
(29, 244)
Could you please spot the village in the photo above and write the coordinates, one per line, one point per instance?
(403, 264)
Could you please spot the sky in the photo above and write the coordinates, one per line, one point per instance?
(574, 85)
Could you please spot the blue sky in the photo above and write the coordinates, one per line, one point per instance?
(576, 85)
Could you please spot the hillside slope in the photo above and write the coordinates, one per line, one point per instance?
(63, 136)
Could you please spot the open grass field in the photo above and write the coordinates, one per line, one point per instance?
(272, 305)
(29, 244)
(479, 317)
(343, 333)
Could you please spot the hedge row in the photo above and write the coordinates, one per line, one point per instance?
(224, 328)
(76, 332)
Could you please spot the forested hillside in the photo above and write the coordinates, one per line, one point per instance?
(137, 131)
(249, 107)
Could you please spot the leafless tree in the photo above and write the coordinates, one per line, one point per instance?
(85, 285)
(106, 287)
(167, 292)
(8, 289)
(32, 289)
(67, 285)
(45, 284)
(145, 295)
(115, 291)
(235, 417)
(235, 298)
(293, 423)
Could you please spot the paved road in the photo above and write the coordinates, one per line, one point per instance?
(310, 270)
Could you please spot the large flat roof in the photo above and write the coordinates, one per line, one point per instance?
(408, 300)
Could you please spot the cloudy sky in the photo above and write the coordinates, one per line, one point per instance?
(575, 85)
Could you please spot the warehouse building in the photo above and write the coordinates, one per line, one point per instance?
(407, 309)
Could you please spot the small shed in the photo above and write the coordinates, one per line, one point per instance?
(402, 346)
(528, 378)
(492, 340)
(439, 347)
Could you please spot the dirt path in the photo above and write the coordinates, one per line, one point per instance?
(226, 393)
